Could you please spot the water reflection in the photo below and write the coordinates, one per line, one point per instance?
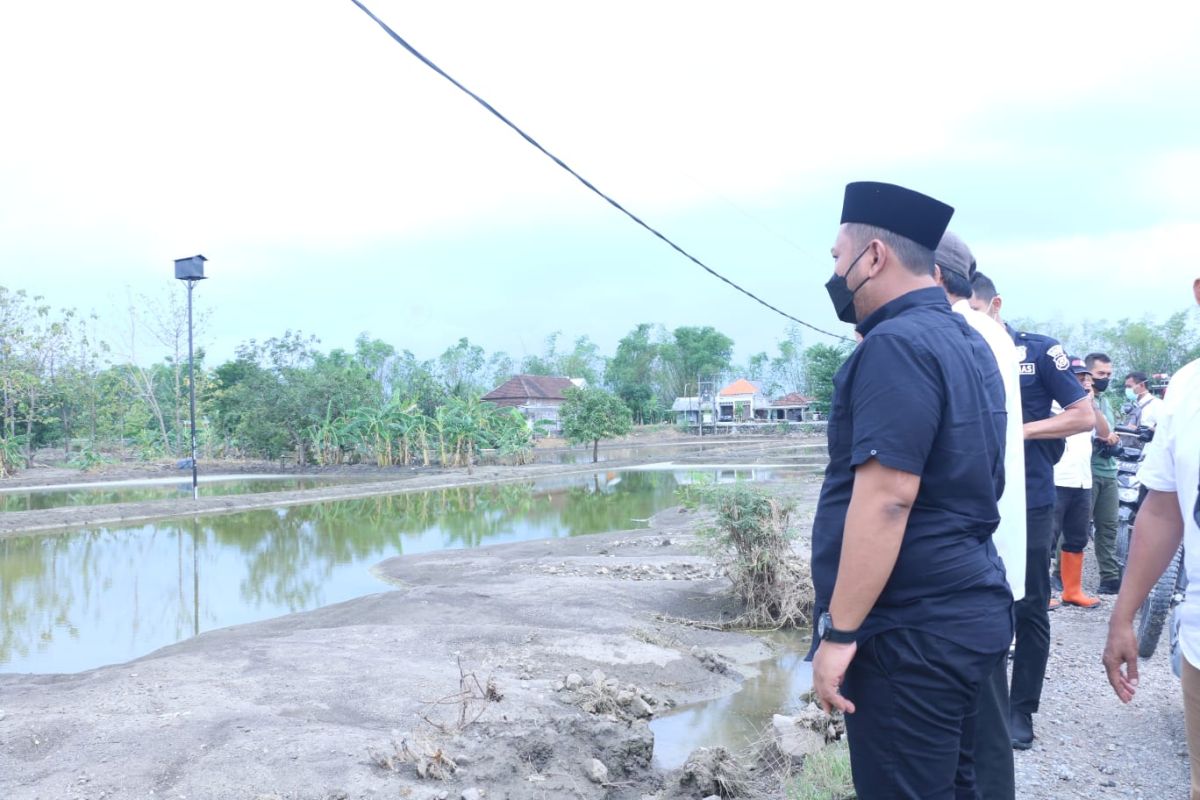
(98, 596)
(742, 719)
(133, 492)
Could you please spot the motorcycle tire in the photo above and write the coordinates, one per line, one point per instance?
(1124, 531)
(1153, 613)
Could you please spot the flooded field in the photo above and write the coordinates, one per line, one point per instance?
(132, 491)
(104, 595)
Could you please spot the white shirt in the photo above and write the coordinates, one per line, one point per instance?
(1151, 410)
(1074, 469)
(1009, 538)
(1172, 464)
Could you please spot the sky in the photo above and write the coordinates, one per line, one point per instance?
(339, 186)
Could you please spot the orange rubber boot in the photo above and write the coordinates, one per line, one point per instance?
(1072, 578)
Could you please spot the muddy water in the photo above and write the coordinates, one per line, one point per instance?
(108, 594)
(101, 493)
(740, 720)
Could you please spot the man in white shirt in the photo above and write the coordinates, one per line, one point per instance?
(954, 266)
(1073, 504)
(1146, 407)
(1168, 515)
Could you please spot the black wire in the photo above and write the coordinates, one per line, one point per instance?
(580, 178)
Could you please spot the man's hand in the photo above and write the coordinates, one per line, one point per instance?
(1121, 651)
(829, 670)
(1113, 438)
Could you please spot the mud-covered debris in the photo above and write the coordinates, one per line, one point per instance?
(605, 696)
(714, 770)
(472, 794)
(597, 772)
(710, 661)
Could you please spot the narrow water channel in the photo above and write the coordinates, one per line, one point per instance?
(743, 719)
(104, 595)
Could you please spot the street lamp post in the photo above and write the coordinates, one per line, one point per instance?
(191, 270)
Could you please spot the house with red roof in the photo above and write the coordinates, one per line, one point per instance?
(538, 397)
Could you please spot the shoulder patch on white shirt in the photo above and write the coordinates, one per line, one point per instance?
(1022, 350)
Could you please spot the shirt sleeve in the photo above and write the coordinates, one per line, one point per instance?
(1054, 370)
(897, 396)
(1157, 471)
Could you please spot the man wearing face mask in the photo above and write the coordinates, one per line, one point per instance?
(1105, 501)
(954, 266)
(1045, 379)
(913, 611)
(1145, 406)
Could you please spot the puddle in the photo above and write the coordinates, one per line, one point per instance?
(742, 719)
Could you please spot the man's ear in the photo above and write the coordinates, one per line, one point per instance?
(999, 303)
(937, 275)
(1196, 289)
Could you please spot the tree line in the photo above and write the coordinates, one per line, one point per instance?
(63, 385)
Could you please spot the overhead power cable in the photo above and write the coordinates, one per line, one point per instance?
(416, 53)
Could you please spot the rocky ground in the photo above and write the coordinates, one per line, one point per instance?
(1088, 744)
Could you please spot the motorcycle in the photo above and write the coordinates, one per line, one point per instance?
(1168, 591)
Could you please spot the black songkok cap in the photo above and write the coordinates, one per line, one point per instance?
(902, 211)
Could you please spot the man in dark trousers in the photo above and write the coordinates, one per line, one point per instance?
(912, 605)
(1046, 378)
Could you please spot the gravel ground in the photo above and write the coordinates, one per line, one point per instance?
(1090, 745)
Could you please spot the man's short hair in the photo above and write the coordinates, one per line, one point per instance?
(955, 283)
(983, 287)
(1138, 376)
(916, 258)
(1092, 358)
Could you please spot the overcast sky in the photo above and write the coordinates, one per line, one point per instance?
(338, 185)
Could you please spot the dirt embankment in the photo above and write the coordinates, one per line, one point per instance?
(520, 671)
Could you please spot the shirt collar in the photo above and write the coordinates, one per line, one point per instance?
(932, 296)
(1145, 399)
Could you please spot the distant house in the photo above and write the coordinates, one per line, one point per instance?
(688, 411)
(740, 400)
(793, 407)
(538, 397)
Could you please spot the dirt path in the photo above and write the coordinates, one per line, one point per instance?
(1088, 744)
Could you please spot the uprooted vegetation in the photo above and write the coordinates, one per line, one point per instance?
(751, 539)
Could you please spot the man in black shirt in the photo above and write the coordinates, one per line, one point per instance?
(1046, 378)
(912, 605)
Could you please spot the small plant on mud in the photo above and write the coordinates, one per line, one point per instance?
(751, 536)
(431, 761)
(470, 702)
(825, 776)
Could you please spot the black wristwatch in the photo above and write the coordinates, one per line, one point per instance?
(827, 633)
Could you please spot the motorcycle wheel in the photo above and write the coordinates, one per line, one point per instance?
(1154, 611)
(1124, 530)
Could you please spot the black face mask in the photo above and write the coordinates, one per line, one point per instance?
(841, 295)
(1100, 385)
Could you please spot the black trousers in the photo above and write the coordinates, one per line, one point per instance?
(1072, 513)
(1032, 613)
(993, 743)
(912, 736)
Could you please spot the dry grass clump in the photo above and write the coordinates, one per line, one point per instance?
(753, 542)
